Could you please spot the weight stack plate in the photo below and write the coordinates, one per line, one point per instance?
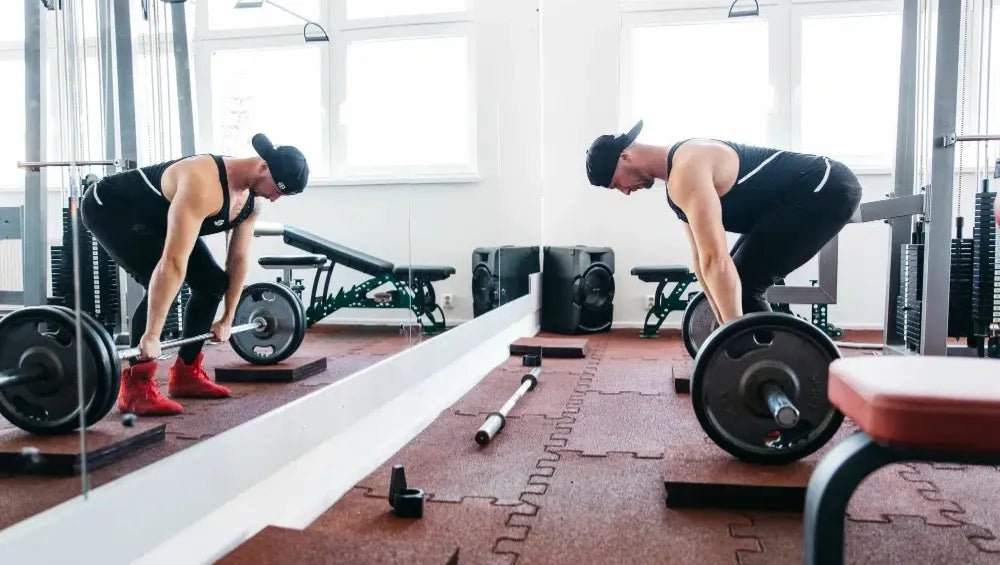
(108, 286)
(960, 289)
(985, 298)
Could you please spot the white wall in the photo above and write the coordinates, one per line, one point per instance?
(441, 224)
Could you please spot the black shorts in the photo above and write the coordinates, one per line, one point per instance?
(787, 237)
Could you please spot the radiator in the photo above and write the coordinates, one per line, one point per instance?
(11, 265)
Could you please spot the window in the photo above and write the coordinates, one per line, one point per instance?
(12, 21)
(12, 117)
(407, 103)
(274, 91)
(726, 90)
(223, 14)
(358, 9)
(850, 87)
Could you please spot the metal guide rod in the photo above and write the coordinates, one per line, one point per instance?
(36, 165)
(952, 139)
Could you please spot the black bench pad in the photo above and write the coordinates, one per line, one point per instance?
(292, 261)
(338, 253)
(423, 272)
(657, 273)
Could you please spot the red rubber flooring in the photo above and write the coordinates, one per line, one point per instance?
(577, 477)
(348, 349)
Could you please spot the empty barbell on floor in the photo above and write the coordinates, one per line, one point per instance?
(44, 383)
(496, 421)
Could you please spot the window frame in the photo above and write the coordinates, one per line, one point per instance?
(801, 11)
(651, 14)
(333, 56)
(785, 54)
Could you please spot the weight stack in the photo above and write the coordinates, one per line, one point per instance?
(98, 277)
(911, 283)
(985, 273)
(578, 289)
(960, 289)
(500, 274)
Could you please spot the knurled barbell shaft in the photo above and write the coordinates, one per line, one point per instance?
(13, 377)
(784, 412)
(135, 351)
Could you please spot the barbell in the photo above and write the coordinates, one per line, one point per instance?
(41, 376)
(759, 387)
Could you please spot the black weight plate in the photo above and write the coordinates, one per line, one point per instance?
(46, 335)
(115, 371)
(286, 324)
(108, 377)
(699, 322)
(740, 352)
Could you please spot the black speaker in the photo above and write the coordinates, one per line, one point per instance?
(500, 274)
(578, 289)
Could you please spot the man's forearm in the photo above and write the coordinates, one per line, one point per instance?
(236, 268)
(724, 281)
(163, 288)
(705, 289)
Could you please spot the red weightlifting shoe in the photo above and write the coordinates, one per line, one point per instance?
(140, 395)
(191, 381)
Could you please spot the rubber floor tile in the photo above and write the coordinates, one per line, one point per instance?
(610, 510)
(474, 525)
(629, 422)
(642, 377)
(281, 546)
(975, 490)
(548, 398)
(902, 539)
(445, 461)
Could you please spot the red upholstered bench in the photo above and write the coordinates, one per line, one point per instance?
(916, 408)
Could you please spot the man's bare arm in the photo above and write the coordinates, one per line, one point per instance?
(237, 261)
(697, 270)
(692, 189)
(188, 209)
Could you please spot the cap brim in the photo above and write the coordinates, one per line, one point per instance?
(262, 145)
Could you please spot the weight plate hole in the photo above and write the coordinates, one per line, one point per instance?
(55, 333)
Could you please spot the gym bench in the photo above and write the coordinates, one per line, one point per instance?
(663, 303)
(412, 288)
(906, 411)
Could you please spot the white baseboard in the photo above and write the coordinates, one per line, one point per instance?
(284, 467)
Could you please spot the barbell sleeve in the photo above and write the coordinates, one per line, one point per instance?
(15, 377)
(784, 412)
(132, 352)
(495, 421)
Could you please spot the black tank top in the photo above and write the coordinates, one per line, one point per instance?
(140, 192)
(767, 178)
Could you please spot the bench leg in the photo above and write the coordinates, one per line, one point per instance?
(833, 482)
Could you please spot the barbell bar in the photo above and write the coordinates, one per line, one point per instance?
(37, 372)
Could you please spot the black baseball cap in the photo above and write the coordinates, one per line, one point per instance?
(602, 157)
(288, 165)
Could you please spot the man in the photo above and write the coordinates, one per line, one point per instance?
(788, 205)
(151, 219)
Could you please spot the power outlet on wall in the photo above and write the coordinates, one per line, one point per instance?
(448, 301)
(649, 301)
